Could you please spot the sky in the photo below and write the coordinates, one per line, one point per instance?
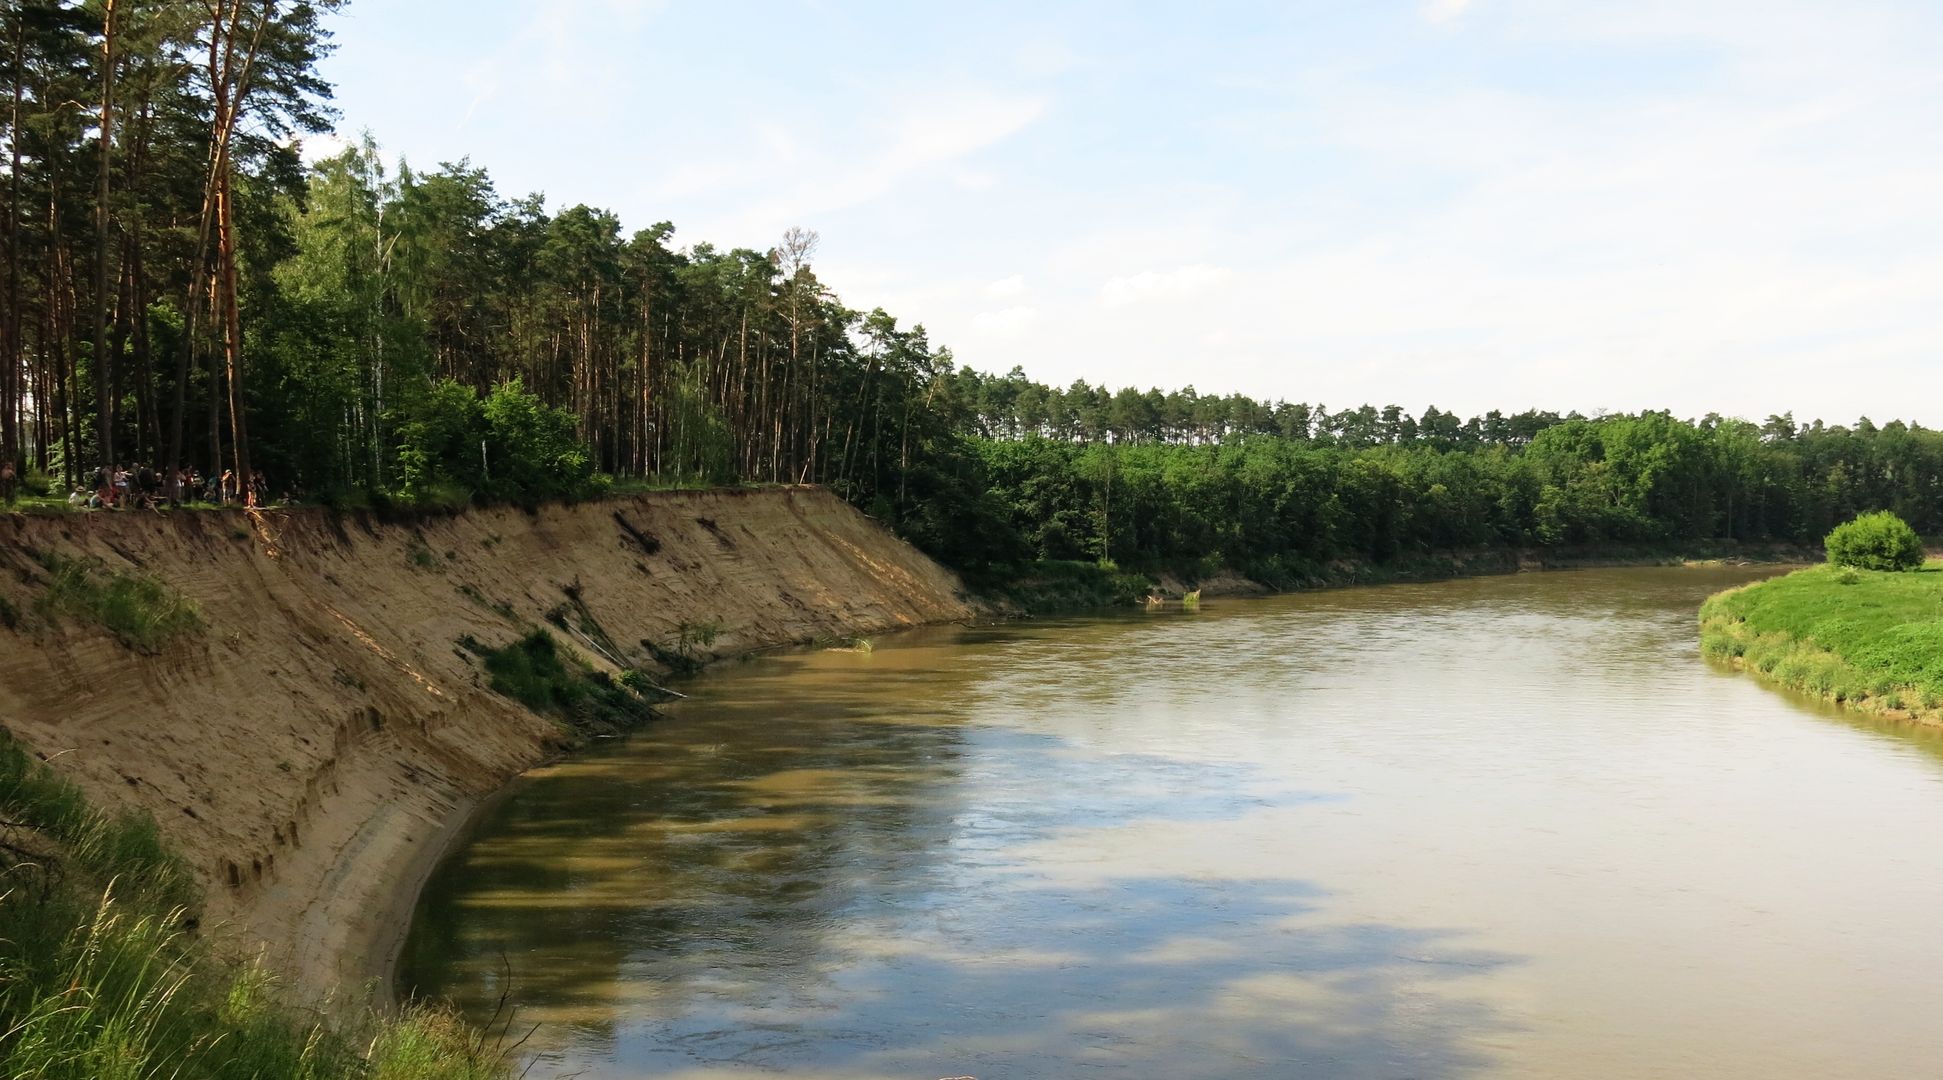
(1698, 205)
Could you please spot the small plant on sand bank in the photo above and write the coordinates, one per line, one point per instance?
(693, 640)
(144, 612)
(1878, 541)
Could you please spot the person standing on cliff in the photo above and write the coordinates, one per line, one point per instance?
(7, 483)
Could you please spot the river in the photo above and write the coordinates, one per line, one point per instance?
(1498, 827)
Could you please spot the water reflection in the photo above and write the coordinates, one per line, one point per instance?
(1505, 827)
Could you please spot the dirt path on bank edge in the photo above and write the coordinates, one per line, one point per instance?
(319, 744)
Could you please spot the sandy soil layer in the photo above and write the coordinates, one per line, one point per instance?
(313, 749)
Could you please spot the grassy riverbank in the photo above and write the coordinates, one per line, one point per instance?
(102, 974)
(1867, 639)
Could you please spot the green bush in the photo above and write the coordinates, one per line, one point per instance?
(1878, 541)
(506, 447)
(534, 672)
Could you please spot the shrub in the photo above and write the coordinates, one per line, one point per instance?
(534, 672)
(1878, 541)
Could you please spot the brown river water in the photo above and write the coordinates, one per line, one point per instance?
(1501, 827)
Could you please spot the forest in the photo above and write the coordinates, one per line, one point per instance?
(184, 292)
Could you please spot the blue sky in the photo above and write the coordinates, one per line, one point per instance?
(1704, 205)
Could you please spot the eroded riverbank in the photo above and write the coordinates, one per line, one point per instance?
(310, 748)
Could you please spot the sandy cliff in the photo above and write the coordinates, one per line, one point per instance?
(311, 750)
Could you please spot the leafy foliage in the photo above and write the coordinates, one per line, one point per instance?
(1878, 541)
(506, 447)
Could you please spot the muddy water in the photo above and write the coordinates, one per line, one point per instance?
(1506, 827)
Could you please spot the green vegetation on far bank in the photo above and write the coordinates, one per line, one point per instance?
(102, 975)
(1868, 639)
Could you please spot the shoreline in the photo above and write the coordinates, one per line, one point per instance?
(379, 950)
(383, 951)
(1492, 562)
(1868, 708)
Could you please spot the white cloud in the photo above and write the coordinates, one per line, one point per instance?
(1151, 285)
(1007, 286)
(1441, 11)
(315, 148)
(1715, 236)
(916, 139)
(1007, 322)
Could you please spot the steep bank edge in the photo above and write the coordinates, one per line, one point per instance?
(312, 749)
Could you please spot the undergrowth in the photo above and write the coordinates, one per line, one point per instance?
(534, 672)
(102, 977)
(1057, 585)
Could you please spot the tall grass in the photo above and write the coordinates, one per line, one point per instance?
(102, 979)
(143, 611)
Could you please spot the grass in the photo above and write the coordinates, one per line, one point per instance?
(1865, 638)
(536, 673)
(125, 846)
(102, 977)
(145, 612)
(421, 556)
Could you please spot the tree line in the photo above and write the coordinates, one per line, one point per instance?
(184, 291)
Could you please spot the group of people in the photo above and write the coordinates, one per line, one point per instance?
(143, 488)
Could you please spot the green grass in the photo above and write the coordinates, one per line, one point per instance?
(536, 673)
(1866, 638)
(101, 977)
(126, 846)
(144, 612)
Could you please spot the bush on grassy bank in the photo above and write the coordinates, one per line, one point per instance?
(99, 977)
(1866, 638)
(1878, 541)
